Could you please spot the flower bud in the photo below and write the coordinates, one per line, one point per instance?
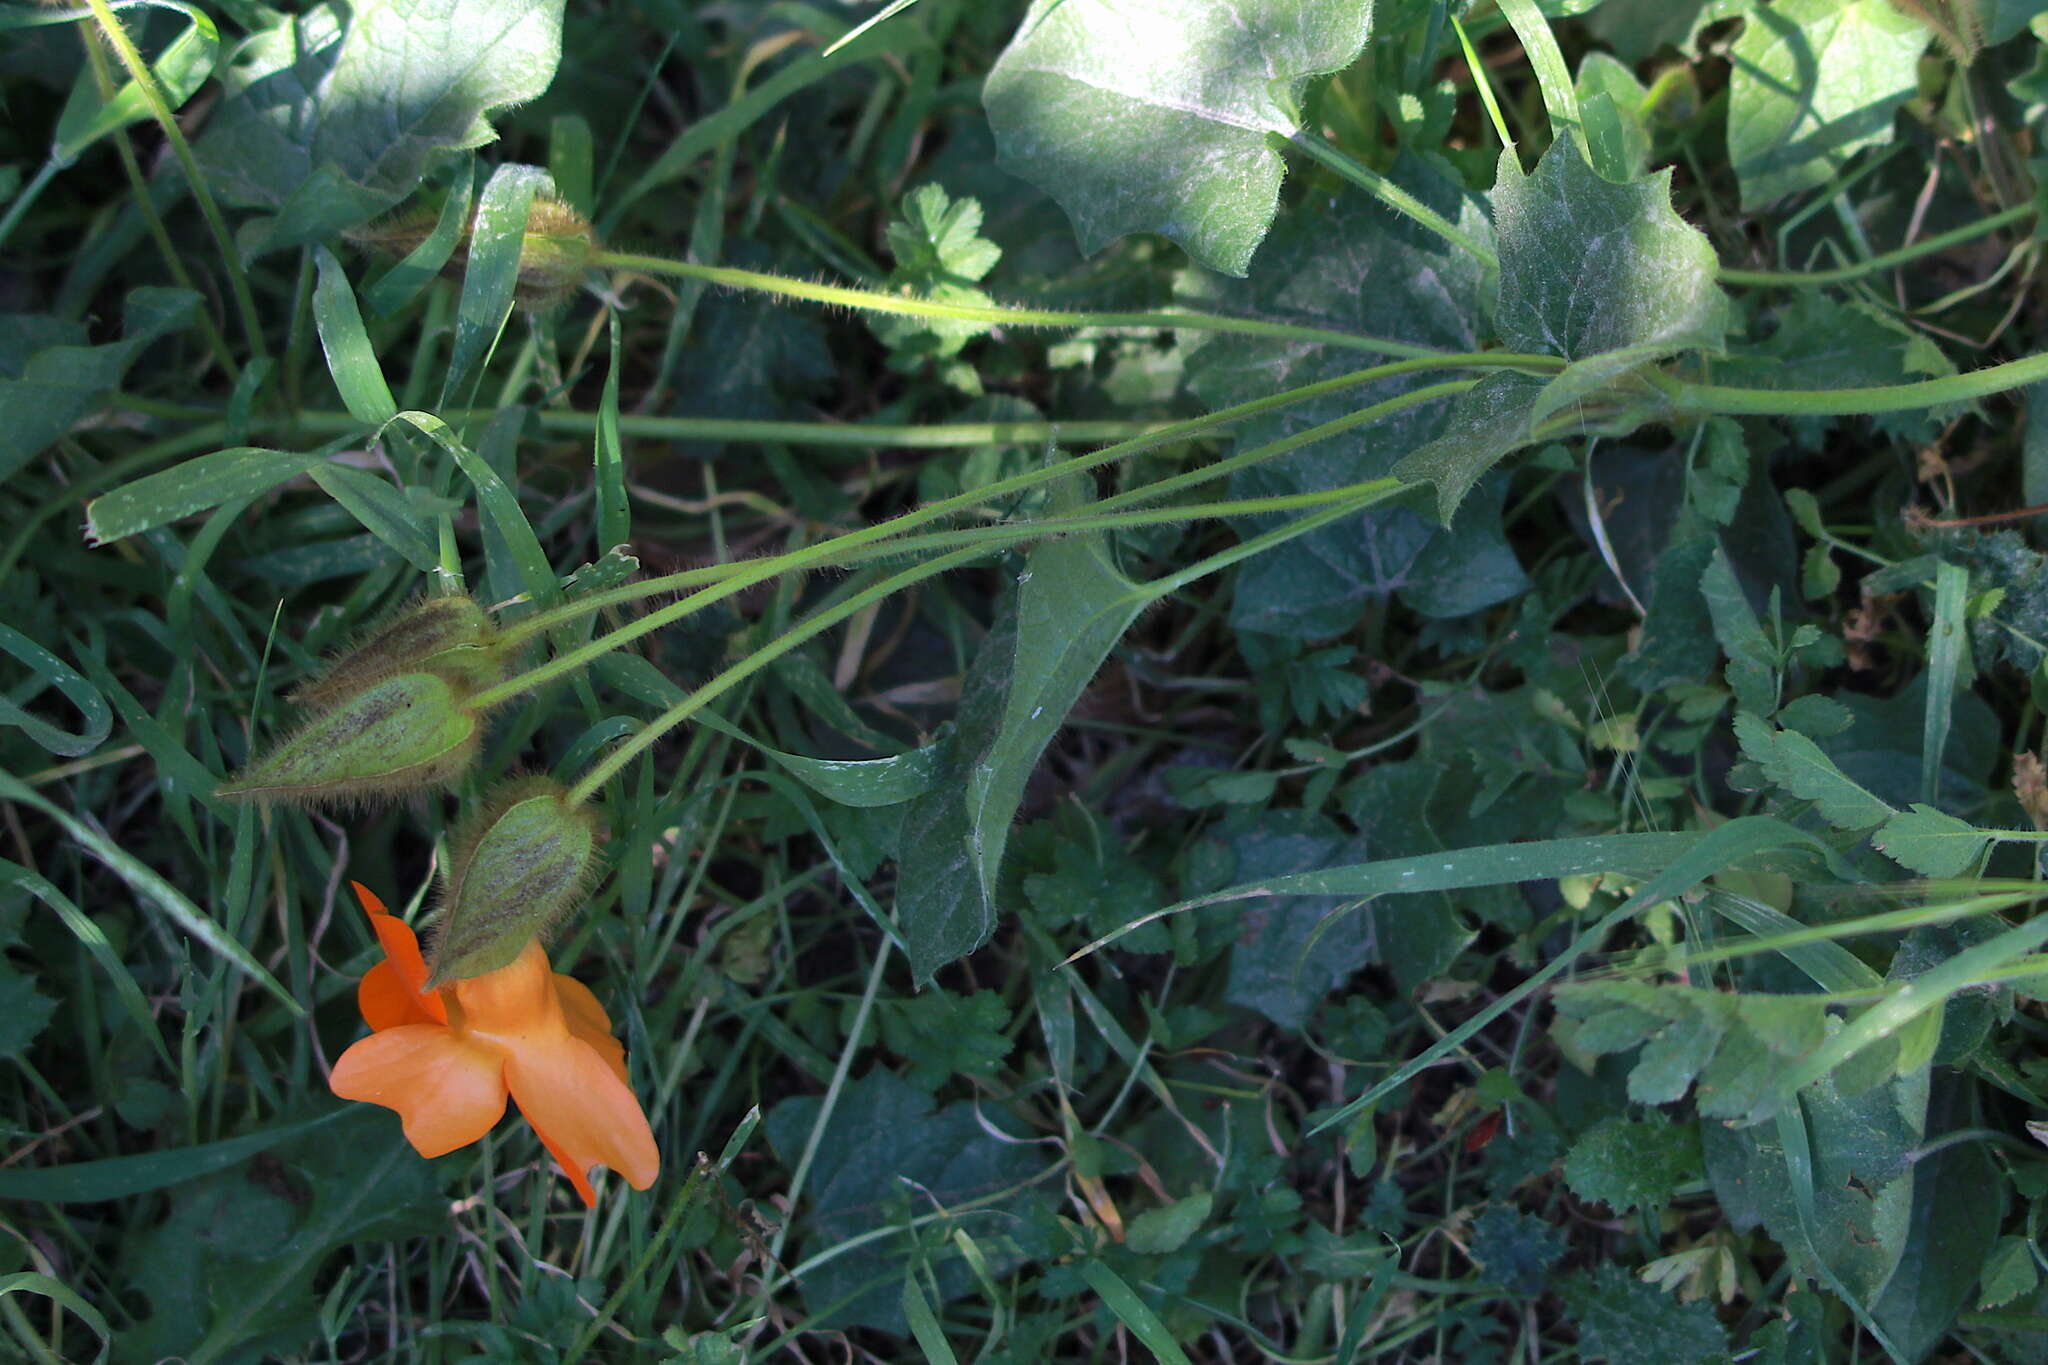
(451, 636)
(397, 735)
(518, 868)
(555, 252)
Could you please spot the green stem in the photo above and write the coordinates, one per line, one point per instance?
(153, 221)
(28, 195)
(834, 550)
(602, 772)
(1877, 265)
(860, 435)
(937, 435)
(160, 109)
(1390, 194)
(874, 301)
(1341, 502)
(1717, 399)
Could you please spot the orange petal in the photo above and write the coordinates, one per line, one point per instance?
(515, 1000)
(583, 1112)
(402, 951)
(447, 1089)
(588, 1021)
(386, 1003)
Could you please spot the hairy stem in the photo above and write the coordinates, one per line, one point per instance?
(160, 109)
(875, 301)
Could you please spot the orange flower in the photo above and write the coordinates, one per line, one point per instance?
(445, 1059)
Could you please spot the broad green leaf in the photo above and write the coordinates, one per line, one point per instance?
(1425, 292)
(50, 381)
(1926, 841)
(1072, 607)
(1588, 267)
(1605, 276)
(1811, 83)
(881, 1148)
(1155, 116)
(1860, 1181)
(1488, 422)
(1293, 951)
(197, 485)
(1677, 643)
(336, 114)
(1795, 763)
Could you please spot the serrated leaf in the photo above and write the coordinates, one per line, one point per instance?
(1795, 763)
(940, 254)
(1626, 1322)
(1752, 661)
(1488, 422)
(1632, 1163)
(1811, 83)
(24, 1011)
(1926, 841)
(1153, 116)
(1515, 1249)
(336, 114)
(1292, 951)
(2009, 1273)
(1607, 276)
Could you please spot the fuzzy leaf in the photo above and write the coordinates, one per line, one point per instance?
(1812, 83)
(336, 114)
(1153, 115)
(1632, 1163)
(1425, 293)
(1626, 1322)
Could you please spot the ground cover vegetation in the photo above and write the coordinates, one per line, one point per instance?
(1298, 681)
